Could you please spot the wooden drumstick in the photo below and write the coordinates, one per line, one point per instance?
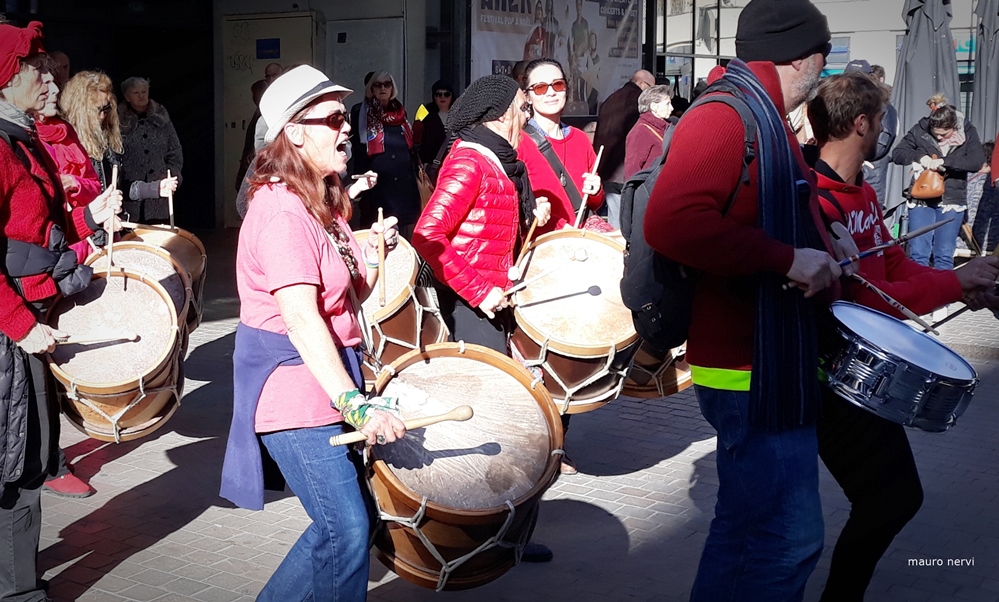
(126, 336)
(582, 205)
(527, 242)
(890, 301)
(170, 203)
(578, 255)
(458, 414)
(381, 257)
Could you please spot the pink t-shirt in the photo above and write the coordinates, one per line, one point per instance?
(281, 244)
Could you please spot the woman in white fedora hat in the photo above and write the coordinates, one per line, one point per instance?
(301, 276)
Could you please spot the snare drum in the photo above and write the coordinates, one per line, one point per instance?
(459, 500)
(571, 322)
(188, 251)
(410, 317)
(118, 391)
(653, 375)
(887, 367)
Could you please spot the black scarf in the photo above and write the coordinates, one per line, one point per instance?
(512, 166)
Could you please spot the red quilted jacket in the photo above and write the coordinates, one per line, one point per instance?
(468, 230)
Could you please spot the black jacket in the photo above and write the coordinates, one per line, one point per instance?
(14, 400)
(965, 159)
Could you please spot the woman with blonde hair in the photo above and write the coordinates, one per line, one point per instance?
(383, 143)
(88, 104)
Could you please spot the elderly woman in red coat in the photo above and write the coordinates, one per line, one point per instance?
(644, 143)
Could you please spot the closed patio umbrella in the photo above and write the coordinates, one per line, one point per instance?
(927, 65)
(985, 102)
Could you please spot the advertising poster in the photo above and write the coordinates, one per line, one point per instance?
(596, 41)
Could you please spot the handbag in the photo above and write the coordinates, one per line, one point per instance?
(423, 183)
(929, 185)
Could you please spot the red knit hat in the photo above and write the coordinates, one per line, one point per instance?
(15, 44)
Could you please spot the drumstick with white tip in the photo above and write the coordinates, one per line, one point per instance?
(887, 299)
(527, 242)
(170, 202)
(582, 205)
(458, 414)
(109, 224)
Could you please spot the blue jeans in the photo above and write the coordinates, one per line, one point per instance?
(940, 242)
(329, 562)
(767, 533)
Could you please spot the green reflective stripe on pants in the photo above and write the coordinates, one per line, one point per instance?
(721, 378)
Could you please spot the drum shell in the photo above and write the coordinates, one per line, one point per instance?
(456, 532)
(398, 319)
(652, 376)
(110, 397)
(872, 378)
(189, 252)
(574, 363)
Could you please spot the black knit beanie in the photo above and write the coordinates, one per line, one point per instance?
(780, 31)
(485, 100)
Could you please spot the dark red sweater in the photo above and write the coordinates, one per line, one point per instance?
(576, 154)
(684, 221)
(917, 287)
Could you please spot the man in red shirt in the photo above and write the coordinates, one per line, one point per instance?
(767, 533)
(869, 456)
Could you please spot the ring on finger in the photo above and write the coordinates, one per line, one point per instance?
(380, 439)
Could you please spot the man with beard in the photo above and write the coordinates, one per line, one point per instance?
(869, 456)
(753, 341)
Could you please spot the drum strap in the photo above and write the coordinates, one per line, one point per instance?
(546, 149)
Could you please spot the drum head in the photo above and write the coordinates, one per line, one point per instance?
(500, 454)
(903, 341)
(122, 303)
(400, 274)
(151, 261)
(183, 245)
(578, 304)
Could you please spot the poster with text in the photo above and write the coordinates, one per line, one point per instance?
(596, 41)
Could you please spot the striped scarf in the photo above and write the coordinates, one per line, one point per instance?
(785, 391)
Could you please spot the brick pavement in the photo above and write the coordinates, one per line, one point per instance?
(630, 526)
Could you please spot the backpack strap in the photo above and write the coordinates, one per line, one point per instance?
(827, 195)
(546, 150)
(18, 150)
(654, 132)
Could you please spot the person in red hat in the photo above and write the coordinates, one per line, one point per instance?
(36, 233)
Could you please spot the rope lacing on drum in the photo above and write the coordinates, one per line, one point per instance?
(73, 393)
(447, 568)
(570, 392)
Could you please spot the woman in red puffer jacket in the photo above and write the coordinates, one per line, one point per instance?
(470, 227)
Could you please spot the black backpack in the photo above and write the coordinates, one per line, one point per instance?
(659, 291)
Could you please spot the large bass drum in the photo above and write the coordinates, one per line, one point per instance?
(571, 322)
(189, 252)
(886, 367)
(657, 375)
(121, 390)
(459, 500)
(409, 318)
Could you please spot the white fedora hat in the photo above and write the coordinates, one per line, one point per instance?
(290, 93)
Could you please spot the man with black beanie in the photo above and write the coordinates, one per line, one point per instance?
(752, 345)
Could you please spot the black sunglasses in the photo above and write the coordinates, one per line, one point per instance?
(333, 121)
(442, 94)
(105, 109)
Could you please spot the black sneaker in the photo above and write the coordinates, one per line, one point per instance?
(536, 552)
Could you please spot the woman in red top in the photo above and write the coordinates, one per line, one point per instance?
(546, 90)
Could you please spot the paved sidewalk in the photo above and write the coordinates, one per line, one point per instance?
(630, 526)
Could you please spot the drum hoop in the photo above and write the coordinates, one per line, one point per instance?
(190, 237)
(510, 367)
(185, 276)
(171, 349)
(573, 350)
(396, 303)
(849, 334)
